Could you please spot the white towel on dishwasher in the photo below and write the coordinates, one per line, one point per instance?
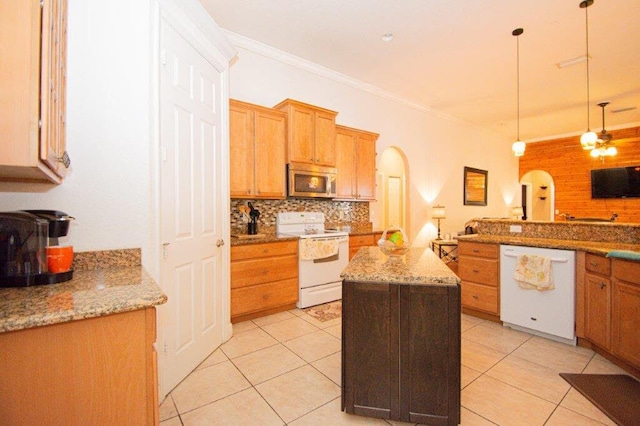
(316, 248)
(534, 272)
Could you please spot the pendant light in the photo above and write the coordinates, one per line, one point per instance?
(589, 138)
(518, 146)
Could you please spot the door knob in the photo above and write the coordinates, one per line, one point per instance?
(219, 243)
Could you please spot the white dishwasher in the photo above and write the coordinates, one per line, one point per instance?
(549, 313)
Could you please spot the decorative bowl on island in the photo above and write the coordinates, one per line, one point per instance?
(397, 244)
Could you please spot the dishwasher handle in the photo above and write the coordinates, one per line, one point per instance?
(553, 259)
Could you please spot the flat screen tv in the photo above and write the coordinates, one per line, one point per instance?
(617, 182)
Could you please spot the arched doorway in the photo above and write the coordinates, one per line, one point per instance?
(538, 195)
(392, 204)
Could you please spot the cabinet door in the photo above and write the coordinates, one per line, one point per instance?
(346, 163)
(625, 321)
(430, 354)
(53, 96)
(241, 151)
(370, 352)
(270, 146)
(301, 141)
(324, 138)
(366, 160)
(598, 310)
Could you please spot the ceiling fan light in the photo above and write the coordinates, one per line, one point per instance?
(611, 151)
(595, 153)
(588, 140)
(518, 148)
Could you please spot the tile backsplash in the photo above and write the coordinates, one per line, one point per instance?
(334, 211)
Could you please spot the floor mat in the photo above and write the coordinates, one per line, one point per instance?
(326, 311)
(617, 395)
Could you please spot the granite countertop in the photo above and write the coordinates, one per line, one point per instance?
(269, 237)
(420, 266)
(93, 292)
(594, 247)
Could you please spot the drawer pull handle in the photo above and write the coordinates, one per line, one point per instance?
(602, 285)
(475, 296)
(534, 319)
(476, 271)
(476, 251)
(594, 264)
(265, 272)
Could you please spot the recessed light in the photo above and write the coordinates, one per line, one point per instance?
(387, 37)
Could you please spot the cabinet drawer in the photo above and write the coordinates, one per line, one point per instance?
(361, 240)
(252, 251)
(626, 270)
(598, 264)
(483, 271)
(478, 249)
(260, 271)
(261, 297)
(480, 297)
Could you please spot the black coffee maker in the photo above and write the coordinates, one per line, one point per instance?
(24, 237)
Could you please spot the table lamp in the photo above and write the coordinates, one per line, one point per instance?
(517, 212)
(438, 213)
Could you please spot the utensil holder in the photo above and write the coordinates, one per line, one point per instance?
(252, 228)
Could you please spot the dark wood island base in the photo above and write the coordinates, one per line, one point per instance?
(401, 338)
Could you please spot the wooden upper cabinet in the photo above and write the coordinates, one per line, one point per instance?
(356, 163)
(311, 133)
(33, 86)
(257, 146)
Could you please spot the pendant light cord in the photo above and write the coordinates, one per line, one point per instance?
(518, 80)
(586, 13)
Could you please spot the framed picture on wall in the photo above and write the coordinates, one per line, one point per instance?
(475, 187)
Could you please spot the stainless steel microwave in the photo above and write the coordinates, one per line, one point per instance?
(309, 181)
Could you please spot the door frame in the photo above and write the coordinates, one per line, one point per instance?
(193, 23)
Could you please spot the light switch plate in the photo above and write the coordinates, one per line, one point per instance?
(515, 228)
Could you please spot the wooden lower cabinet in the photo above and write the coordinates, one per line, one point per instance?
(264, 279)
(401, 352)
(597, 304)
(610, 296)
(97, 371)
(479, 270)
(357, 241)
(625, 313)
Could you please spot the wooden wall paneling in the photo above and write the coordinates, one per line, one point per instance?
(570, 166)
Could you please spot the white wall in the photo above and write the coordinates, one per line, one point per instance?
(437, 147)
(108, 76)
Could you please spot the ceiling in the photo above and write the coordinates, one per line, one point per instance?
(458, 57)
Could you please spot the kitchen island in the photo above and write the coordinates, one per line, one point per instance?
(401, 337)
(81, 352)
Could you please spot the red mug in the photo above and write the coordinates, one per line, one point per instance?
(59, 258)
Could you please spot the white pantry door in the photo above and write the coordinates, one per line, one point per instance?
(191, 197)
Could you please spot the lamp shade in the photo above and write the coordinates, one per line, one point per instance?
(438, 212)
(518, 148)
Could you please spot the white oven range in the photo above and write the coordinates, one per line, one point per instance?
(322, 255)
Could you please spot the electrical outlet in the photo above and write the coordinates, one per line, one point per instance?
(515, 228)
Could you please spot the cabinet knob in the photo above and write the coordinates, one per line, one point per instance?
(475, 296)
(602, 285)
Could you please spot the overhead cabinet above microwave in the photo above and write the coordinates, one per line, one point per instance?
(32, 106)
(310, 132)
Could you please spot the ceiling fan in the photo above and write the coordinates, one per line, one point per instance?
(604, 136)
(604, 146)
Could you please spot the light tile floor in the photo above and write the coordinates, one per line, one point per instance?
(285, 369)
